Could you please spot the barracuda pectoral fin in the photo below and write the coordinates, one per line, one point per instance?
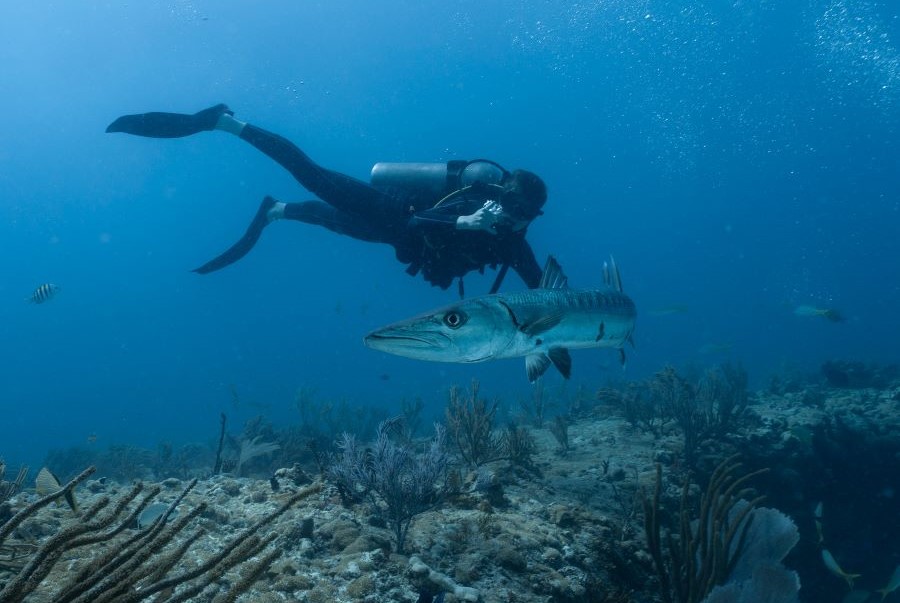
(540, 323)
(537, 364)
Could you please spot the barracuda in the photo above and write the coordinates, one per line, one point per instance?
(542, 325)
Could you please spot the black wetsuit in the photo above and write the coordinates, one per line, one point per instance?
(424, 236)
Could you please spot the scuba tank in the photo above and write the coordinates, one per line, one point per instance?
(432, 184)
(433, 181)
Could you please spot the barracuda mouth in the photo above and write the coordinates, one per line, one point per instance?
(478, 359)
(380, 340)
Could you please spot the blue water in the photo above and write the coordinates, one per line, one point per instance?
(738, 159)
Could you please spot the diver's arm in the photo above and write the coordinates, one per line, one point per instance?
(522, 260)
(485, 218)
(432, 220)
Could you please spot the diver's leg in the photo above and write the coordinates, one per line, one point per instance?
(169, 125)
(267, 212)
(343, 192)
(310, 212)
(332, 218)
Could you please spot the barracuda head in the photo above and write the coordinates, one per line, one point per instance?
(469, 331)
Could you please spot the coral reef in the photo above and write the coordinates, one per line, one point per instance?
(562, 519)
(857, 375)
(712, 407)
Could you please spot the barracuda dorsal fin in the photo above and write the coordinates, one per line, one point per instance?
(553, 276)
(611, 276)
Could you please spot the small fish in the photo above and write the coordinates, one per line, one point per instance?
(832, 565)
(857, 596)
(668, 310)
(46, 483)
(813, 312)
(817, 513)
(709, 349)
(92, 437)
(45, 292)
(152, 513)
(892, 585)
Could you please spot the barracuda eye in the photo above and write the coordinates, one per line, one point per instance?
(455, 319)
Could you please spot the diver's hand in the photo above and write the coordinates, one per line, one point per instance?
(485, 219)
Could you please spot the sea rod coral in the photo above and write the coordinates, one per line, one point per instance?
(128, 566)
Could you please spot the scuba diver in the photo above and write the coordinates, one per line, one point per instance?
(443, 219)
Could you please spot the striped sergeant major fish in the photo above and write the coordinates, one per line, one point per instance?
(541, 324)
(45, 292)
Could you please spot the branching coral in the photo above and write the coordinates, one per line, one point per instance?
(710, 408)
(709, 542)
(470, 421)
(128, 568)
(7, 489)
(398, 483)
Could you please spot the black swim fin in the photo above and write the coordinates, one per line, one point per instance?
(245, 243)
(169, 125)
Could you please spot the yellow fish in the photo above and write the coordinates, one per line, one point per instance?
(817, 513)
(812, 311)
(832, 565)
(892, 584)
